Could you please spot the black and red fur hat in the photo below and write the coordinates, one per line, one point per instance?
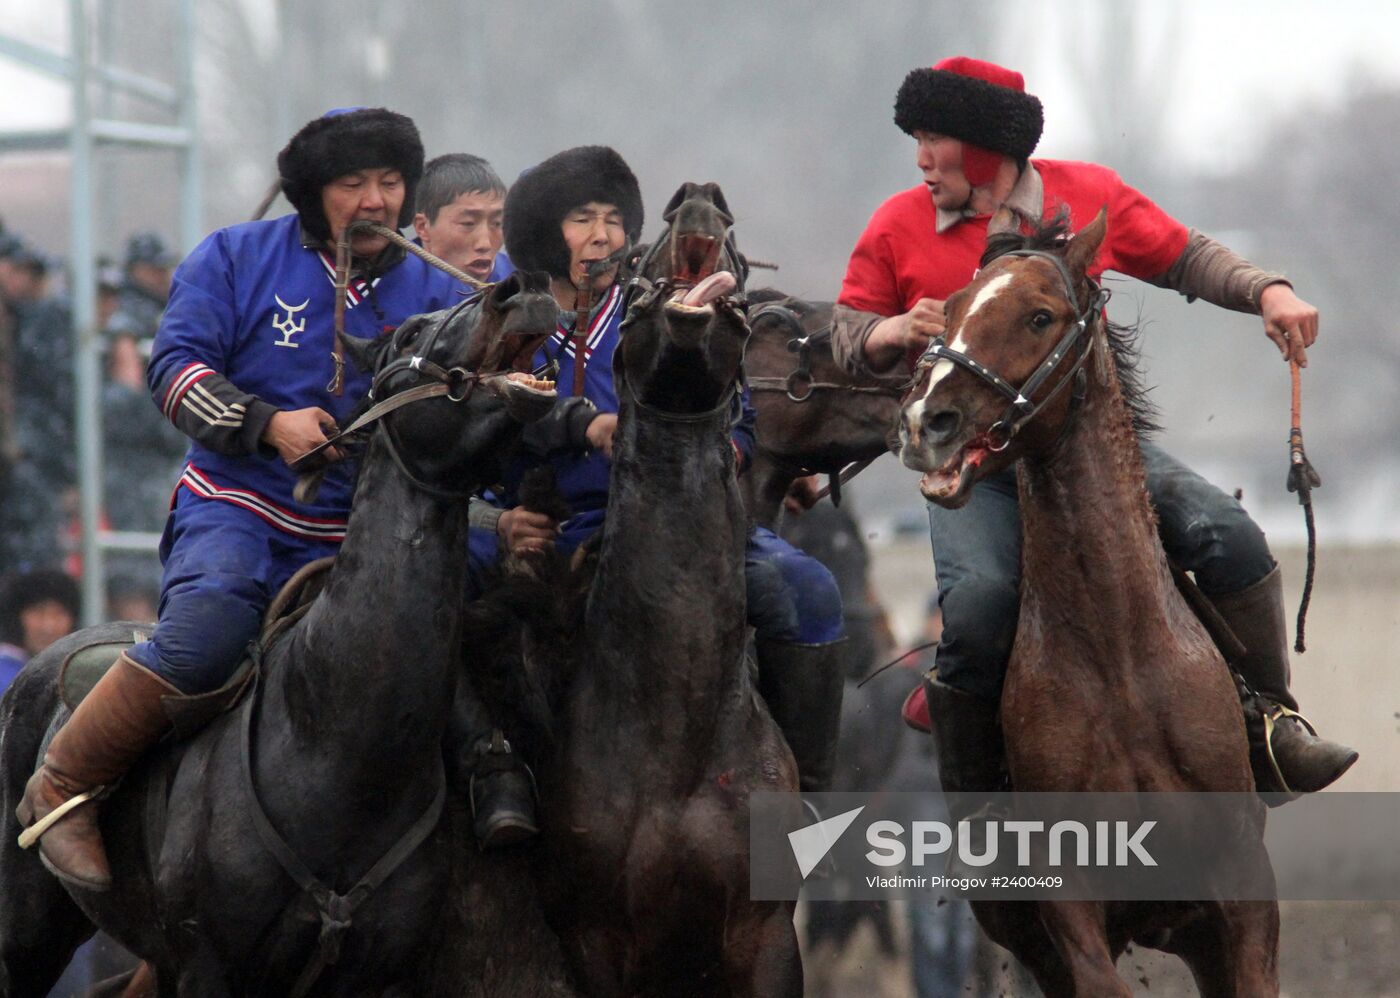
(541, 197)
(343, 141)
(980, 103)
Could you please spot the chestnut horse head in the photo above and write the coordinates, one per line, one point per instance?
(1008, 374)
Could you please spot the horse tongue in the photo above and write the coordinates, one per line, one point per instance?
(718, 284)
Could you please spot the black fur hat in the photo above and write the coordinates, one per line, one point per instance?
(343, 141)
(543, 195)
(972, 100)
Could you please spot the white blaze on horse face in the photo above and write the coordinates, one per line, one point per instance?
(989, 291)
(914, 417)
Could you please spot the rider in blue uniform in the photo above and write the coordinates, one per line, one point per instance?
(243, 364)
(577, 208)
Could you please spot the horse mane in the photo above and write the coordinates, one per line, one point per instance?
(762, 296)
(769, 296)
(1053, 236)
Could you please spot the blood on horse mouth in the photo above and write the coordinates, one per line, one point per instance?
(693, 257)
(950, 477)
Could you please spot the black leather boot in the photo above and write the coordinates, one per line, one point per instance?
(971, 761)
(802, 685)
(487, 771)
(502, 794)
(1286, 753)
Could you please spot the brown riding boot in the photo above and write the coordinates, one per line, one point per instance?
(110, 730)
(1286, 753)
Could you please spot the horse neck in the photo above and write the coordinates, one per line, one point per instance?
(1090, 547)
(666, 613)
(372, 667)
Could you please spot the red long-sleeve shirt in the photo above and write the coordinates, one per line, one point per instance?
(901, 257)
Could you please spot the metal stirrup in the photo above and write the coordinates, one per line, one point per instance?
(36, 831)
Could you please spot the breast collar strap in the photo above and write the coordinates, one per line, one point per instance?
(1077, 341)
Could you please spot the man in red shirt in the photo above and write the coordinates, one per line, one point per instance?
(975, 128)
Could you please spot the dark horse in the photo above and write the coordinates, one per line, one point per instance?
(1113, 684)
(344, 731)
(663, 735)
(813, 417)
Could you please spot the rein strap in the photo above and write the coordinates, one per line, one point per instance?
(335, 910)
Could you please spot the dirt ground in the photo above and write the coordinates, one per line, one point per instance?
(1347, 683)
(1327, 950)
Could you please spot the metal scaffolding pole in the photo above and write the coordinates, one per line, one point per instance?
(87, 373)
(81, 138)
(191, 185)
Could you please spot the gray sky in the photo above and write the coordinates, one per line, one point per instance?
(1242, 62)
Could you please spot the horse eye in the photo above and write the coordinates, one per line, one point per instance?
(1042, 320)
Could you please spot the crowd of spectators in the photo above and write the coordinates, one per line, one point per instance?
(39, 534)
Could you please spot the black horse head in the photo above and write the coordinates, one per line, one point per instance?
(479, 355)
(682, 349)
(698, 239)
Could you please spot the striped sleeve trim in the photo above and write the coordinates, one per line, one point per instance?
(283, 519)
(180, 385)
(202, 402)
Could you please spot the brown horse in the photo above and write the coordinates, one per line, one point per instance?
(813, 417)
(1113, 684)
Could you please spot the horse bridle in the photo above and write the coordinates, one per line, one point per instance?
(732, 399)
(455, 383)
(801, 344)
(1021, 409)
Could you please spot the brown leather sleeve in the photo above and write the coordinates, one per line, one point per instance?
(1206, 269)
(849, 330)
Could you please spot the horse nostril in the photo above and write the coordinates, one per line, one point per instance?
(942, 424)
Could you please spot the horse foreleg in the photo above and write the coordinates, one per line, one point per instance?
(40, 926)
(201, 975)
(1080, 934)
(1251, 928)
(599, 958)
(761, 957)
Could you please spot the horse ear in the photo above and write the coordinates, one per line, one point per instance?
(717, 196)
(363, 353)
(1085, 244)
(677, 199)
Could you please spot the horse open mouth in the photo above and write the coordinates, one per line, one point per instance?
(532, 384)
(949, 483)
(526, 397)
(523, 347)
(697, 300)
(694, 257)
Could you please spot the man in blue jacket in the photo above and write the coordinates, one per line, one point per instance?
(244, 364)
(570, 213)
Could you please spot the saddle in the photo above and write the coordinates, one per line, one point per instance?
(88, 663)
